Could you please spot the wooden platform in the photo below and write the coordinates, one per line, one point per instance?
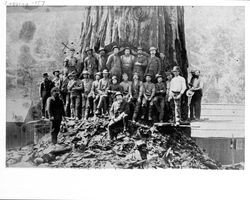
(220, 120)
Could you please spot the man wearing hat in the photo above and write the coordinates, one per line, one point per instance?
(113, 88)
(70, 62)
(75, 88)
(119, 115)
(140, 63)
(197, 88)
(57, 81)
(102, 59)
(55, 112)
(65, 94)
(87, 85)
(159, 99)
(127, 63)
(45, 89)
(114, 64)
(135, 94)
(148, 92)
(154, 63)
(177, 89)
(90, 62)
(103, 92)
(94, 96)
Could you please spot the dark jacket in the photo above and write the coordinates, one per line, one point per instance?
(160, 89)
(55, 108)
(45, 88)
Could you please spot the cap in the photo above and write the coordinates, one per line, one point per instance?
(45, 74)
(114, 77)
(152, 48)
(139, 48)
(118, 93)
(176, 69)
(135, 73)
(148, 74)
(127, 48)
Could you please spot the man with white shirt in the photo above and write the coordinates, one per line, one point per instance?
(177, 89)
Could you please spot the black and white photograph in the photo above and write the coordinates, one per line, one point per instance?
(128, 100)
(125, 87)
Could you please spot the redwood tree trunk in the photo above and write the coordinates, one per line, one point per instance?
(159, 26)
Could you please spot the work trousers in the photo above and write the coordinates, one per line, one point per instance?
(169, 109)
(102, 104)
(136, 107)
(197, 104)
(159, 103)
(147, 105)
(177, 105)
(117, 123)
(66, 102)
(75, 105)
(191, 107)
(85, 105)
(43, 106)
(55, 130)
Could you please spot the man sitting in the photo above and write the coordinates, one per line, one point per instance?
(113, 88)
(118, 114)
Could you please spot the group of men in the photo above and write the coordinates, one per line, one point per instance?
(124, 87)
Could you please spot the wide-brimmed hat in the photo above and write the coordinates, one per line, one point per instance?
(55, 72)
(139, 48)
(88, 49)
(105, 71)
(158, 75)
(114, 77)
(176, 69)
(115, 47)
(45, 74)
(101, 49)
(85, 72)
(148, 74)
(98, 74)
(152, 48)
(118, 93)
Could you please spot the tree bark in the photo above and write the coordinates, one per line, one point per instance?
(146, 26)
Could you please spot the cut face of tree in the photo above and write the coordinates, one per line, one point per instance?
(158, 26)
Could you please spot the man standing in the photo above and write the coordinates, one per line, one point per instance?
(87, 84)
(75, 87)
(118, 114)
(90, 63)
(140, 63)
(127, 63)
(148, 93)
(45, 92)
(159, 99)
(197, 88)
(56, 113)
(177, 89)
(70, 62)
(103, 92)
(154, 64)
(114, 64)
(65, 94)
(102, 59)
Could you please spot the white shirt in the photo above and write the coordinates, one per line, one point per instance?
(178, 84)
